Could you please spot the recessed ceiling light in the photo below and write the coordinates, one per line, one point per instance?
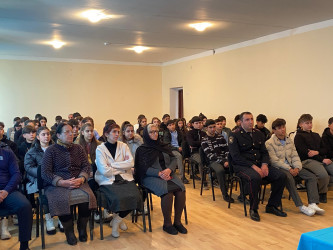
(56, 44)
(200, 26)
(139, 49)
(95, 16)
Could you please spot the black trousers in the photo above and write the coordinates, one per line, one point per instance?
(252, 181)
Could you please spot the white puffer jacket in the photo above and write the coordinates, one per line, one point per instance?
(279, 153)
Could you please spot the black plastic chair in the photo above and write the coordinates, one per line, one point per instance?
(191, 164)
(145, 192)
(206, 169)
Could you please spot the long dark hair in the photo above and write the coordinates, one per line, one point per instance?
(93, 143)
(123, 128)
(39, 130)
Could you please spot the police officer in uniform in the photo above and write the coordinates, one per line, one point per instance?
(250, 160)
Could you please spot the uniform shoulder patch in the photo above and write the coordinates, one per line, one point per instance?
(231, 139)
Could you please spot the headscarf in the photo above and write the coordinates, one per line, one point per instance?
(147, 154)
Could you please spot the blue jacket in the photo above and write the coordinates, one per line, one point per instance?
(10, 175)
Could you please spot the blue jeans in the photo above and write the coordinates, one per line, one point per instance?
(17, 203)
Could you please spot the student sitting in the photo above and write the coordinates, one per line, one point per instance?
(327, 139)
(219, 129)
(194, 138)
(142, 124)
(4, 139)
(12, 199)
(114, 175)
(165, 119)
(12, 129)
(238, 123)
(174, 140)
(224, 128)
(102, 138)
(261, 121)
(283, 155)
(29, 135)
(128, 136)
(136, 126)
(216, 149)
(32, 160)
(313, 154)
(18, 133)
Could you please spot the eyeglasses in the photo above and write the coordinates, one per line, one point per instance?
(153, 132)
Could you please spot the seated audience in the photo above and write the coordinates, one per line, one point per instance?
(42, 121)
(32, 160)
(261, 121)
(4, 139)
(181, 127)
(65, 171)
(114, 175)
(29, 135)
(327, 139)
(194, 138)
(12, 129)
(174, 141)
(238, 123)
(216, 150)
(165, 119)
(128, 136)
(219, 129)
(58, 119)
(18, 133)
(75, 127)
(283, 155)
(224, 128)
(250, 161)
(136, 126)
(155, 168)
(313, 154)
(102, 138)
(11, 199)
(142, 124)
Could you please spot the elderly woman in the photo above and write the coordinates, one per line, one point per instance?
(155, 167)
(114, 175)
(65, 170)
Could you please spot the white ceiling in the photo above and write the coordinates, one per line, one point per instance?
(160, 24)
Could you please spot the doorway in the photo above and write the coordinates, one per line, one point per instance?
(176, 102)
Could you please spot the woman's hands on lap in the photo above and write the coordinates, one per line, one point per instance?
(165, 174)
(71, 183)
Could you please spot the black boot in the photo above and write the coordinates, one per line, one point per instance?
(82, 228)
(69, 232)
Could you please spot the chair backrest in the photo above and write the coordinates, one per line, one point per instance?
(40, 183)
(231, 167)
(186, 149)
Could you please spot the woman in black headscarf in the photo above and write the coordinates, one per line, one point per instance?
(155, 168)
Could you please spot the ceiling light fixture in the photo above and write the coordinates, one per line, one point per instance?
(95, 16)
(201, 26)
(56, 44)
(139, 49)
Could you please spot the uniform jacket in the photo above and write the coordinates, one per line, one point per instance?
(247, 150)
(279, 154)
(108, 167)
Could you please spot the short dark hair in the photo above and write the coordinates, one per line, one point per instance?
(28, 121)
(110, 121)
(261, 118)
(330, 121)
(28, 129)
(242, 115)
(108, 128)
(141, 116)
(24, 118)
(60, 126)
(2, 124)
(165, 116)
(16, 119)
(237, 118)
(88, 118)
(278, 123)
(170, 122)
(58, 118)
(42, 118)
(202, 116)
(222, 118)
(218, 120)
(76, 114)
(73, 122)
(305, 118)
(37, 116)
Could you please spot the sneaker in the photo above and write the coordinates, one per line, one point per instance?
(317, 209)
(107, 216)
(122, 225)
(96, 217)
(300, 186)
(50, 228)
(61, 228)
(307, 210)
(5, 235)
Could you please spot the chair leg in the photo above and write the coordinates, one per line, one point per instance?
(151, 201)
(143, 217)
(37, 217)
(211, 182)
(244, 197)
(231, 186)
(148, 215)
(192, 170)
(202, 180)
(185, 214)
(101, 220)
(263, 195)
(91, 225)
(41, 217)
